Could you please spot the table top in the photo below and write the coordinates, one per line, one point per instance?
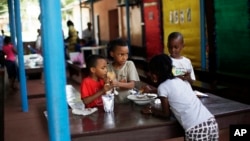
(33, 62)
(35, 69)
(127, 117)
(93, 47)
(81, 66)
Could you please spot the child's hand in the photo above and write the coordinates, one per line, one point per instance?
(114, 83)
(107, 80)
(186, 76)
(123, 80)
(107, 87)
(145, 89)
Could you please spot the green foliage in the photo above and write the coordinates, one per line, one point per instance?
(3, 6)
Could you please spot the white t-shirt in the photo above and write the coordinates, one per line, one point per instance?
(127, 72)
(38, 42)
(86, 34)
(181, 66)
(184, 104)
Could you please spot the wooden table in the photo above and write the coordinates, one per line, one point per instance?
(128, 124)
(34, 72)
(36, 69)
(78, 70)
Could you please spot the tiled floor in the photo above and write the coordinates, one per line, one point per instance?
(29, 126)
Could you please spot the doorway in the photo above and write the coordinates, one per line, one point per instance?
(113, 24)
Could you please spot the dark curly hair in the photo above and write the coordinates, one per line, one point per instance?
(7, 40)
(114, 43)
(92, 61)
(174, 35)
(70, 23)
(161, 66)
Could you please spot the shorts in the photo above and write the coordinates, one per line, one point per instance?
(11, 69)
(206, 131)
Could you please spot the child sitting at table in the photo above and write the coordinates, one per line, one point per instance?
(125, 71)
(182, 66)
(178, 96)
(93, 86)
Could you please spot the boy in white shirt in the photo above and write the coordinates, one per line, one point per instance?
(182, 66)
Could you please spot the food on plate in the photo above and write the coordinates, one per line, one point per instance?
(142, 99)
(141, 96)
(150, 95)
(141, 90)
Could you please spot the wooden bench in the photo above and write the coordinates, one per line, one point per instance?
(208, 87)
(197, 85)
(237, 84)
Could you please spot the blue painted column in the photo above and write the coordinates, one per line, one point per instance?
(203, 35)
(128, 24)
(12, 21)
(21, 66)
(54, 70)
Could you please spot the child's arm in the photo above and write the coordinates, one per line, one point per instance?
(124, 84)
(187, 77)
(148, 89)
(91, 98)
(14, 50)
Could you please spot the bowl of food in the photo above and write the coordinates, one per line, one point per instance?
(149, 95)
(142, 99)
(140, 96)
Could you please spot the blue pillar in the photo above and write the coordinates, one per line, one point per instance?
(128, 24)
(21, 66)
(203, 35)
(12, 21)
(55, 71)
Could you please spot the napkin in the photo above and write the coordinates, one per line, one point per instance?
(75, 102)
(200, 94)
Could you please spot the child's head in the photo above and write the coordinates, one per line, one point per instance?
(39, 31)
(7, 40)
(97, 66)
(160, 68)
(175, 44)
(70, 23)
(118, 51)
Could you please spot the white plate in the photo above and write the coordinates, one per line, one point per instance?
(142, 101)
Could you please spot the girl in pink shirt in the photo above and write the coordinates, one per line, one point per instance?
(10, 61)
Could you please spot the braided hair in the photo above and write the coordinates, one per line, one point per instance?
(161, 66)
